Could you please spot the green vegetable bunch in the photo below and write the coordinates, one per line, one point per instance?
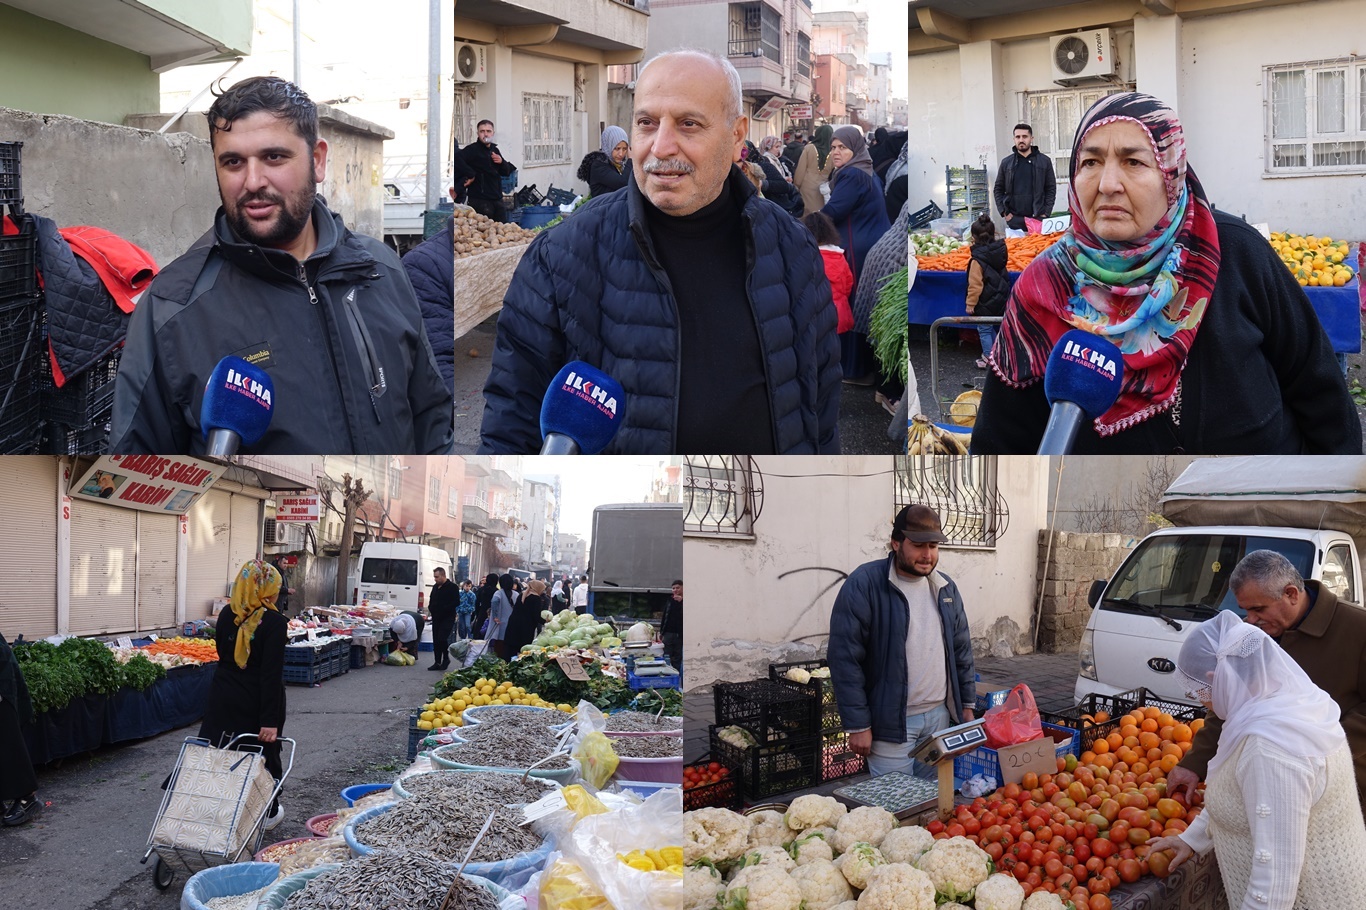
(649, 701)
(139, 673)
(887, 325)
(55, 674)
(542, 675)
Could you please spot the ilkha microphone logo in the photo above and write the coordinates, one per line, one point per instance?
(249, 387)
(587, 390)
(1090, 357)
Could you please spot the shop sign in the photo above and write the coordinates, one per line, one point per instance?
(149, 483)
(770, 107)
(800, 112)
(299, 507)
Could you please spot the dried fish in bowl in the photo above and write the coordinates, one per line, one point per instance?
(447, 833)
(648, 747)
(406, 879)
(640, 722)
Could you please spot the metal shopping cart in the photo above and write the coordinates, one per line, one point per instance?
(215, 807)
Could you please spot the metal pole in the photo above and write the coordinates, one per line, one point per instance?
(298, 40)
(435, 172)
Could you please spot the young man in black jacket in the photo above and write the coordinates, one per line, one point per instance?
(485, 192)
(441, 604)
(1026, 186)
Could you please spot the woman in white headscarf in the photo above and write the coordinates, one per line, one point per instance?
(1281, 809)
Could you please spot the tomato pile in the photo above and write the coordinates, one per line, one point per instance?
(1084, 830)
(702, 775)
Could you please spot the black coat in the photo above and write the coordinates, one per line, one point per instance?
(991, 261)
(1260, 379)
(245, 699)
(488, 177)
(777, 187)
(443, 601)
(1045, 184)
(525, 622)
(601, 175)
(593, 289)
(431, 270)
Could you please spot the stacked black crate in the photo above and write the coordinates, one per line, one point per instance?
(21, 314)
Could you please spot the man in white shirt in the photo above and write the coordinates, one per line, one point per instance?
(900, 650)
(581, 595)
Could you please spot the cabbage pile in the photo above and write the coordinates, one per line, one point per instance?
(568, 629)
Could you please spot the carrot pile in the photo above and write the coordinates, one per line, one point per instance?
(1020, 252)
(198, 649)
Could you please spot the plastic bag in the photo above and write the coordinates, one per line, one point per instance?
(565, 886)
(597, 759)
(595, 842)
(1016, 720)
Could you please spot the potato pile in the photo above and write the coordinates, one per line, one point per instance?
(476, 233)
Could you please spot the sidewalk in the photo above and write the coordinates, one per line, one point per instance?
(1051, 677)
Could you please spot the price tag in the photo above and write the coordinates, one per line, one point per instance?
(1037, 755)
(153, 636)
(125, 642)
(1054, 225)
(572, 668)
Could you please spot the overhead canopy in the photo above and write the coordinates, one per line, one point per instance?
(1297, 491)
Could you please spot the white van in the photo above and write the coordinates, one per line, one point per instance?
(399, 573)
(1176, 579)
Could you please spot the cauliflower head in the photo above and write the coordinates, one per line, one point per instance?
(906, 845)
(956, 866)
(1043, 900)
(864, 825)
(763, 888)
(847, 905)
(768, 856)
(767, 829)
(823, 887)
(811, 811)
(897, 886)
(702, 887)
(856, 862)
(810, 847)
(718, 835)
(999, 892)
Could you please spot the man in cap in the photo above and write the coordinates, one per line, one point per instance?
(900, 650)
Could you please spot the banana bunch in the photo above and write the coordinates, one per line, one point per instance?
(666, 859)
(924, 438)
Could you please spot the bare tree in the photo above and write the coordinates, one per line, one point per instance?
(1137, 510)
(353, 494)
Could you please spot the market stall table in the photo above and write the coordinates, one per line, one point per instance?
(938, 294)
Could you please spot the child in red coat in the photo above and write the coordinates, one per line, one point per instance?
(836, 266)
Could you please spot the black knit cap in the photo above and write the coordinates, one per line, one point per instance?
(918, 524)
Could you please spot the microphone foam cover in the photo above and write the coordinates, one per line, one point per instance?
(584, 404)
(238, 397)
(1086, 370)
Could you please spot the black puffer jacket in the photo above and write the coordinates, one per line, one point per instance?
(592, 289)
(346, 350)
(601, 175)
(431, 269)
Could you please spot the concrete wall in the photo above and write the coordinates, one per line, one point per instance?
(228, 22)
(53, 69)
(1068, 568)
(935, 117)
(704, 25)
(1111, 493)
(769, 600)
(156, 191)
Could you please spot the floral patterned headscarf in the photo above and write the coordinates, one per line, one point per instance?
(253, 593)
(1145, 296)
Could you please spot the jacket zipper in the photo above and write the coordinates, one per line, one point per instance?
(374, 370)
(336, 373)
(658, 271)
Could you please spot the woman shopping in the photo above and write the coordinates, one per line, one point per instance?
(604, 169)
(500, 613)
(1281, 810)
(813, 168)
(1222, 350)
(526, 620)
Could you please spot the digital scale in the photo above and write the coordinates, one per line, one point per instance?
(941, 749)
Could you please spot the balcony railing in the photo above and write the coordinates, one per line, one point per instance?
(476, 512)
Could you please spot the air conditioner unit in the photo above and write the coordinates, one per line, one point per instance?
(1082, 55)
(470, 63)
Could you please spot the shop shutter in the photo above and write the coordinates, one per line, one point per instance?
(246, 530)
(208, 572)
(28, 547)
(156, 570)
(104, 564)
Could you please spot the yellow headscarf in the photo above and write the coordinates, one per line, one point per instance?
(254, 592)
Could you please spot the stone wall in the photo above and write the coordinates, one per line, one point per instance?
(1075, 562)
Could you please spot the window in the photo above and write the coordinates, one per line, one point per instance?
(395, 481)
(1338, 574)
(433, 494)
(962, 489)
(803, 55)
(388, 571)
(1316, 118)
(453, 503)
(545, 129)
(1054, 117)
(756, 30)
(722, 495)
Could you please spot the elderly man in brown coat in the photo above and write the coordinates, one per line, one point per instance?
(1324, 635)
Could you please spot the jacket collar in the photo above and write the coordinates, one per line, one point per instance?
(937, 579)
(1321, 614)
(740, 187)
(331, 246)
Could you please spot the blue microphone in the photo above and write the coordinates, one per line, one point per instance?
(1082, 381)
(582, 411)
(238, 399)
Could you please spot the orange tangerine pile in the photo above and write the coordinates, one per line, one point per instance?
(1146, 738)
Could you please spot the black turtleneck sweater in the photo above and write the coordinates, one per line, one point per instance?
(723, 404)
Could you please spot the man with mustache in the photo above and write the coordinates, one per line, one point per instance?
(708, 303)
(280, 282)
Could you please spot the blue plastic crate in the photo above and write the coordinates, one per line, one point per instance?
(986, 762)
(991, 700)
(304, 655)
(307, 674)
(415, 736)
(674, 681)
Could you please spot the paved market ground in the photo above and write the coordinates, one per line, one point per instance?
(1051, 677)
(82, 853)
(959, 350)
(863, 422)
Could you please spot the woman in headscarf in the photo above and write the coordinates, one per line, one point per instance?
(1281, 809)
(247, 694)
(526, 619)
(483, 602)
(559, 598)
(860, 215)
(1222, 351)
(813, 168)
(777, 185)
(604, 169)
(19, 803)
(500, 611)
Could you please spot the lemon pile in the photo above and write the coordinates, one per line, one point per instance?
(450, 711)
(1314, 261)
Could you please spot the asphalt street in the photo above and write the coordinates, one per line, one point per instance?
(863, 422)
(82, 852)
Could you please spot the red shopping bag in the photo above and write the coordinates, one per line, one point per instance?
(1014, 721)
